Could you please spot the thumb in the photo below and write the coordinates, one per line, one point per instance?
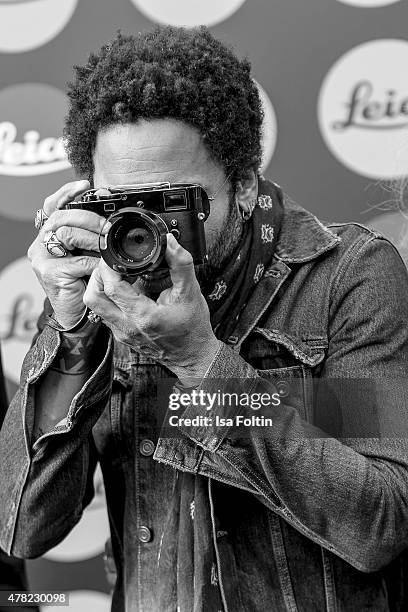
(180, 264)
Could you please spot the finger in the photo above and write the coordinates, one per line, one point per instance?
(60, 272)
(121, 292)
(75, 267)
(37, 250)
(96, 299)
(73, 238)
(83, 219)
(65, 194)
(181, 265)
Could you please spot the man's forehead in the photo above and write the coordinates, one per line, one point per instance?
(151, 139)
(147, 148)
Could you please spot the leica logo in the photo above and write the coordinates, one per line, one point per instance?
(31, 157)
(363, 109)
(21, 304)
(21, 321)
(31, 148)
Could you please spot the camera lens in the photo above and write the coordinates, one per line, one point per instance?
(135, 242)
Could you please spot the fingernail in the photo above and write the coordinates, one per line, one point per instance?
(105, 226)
(171, 241)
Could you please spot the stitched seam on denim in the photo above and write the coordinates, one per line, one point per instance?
(37, 450)
(204, 470)
(371, 232)
(85, 468)
(279, 371)
(9, 530)
(259, 485)
(136, 467)
(279, 553)
(309, 258)
(229, 480)
(46, 361)
(199, 461)
(217, 554)
(264, 309)
(328, 580)
(350, 256)
(115, 422)
(281, 338)
(335, 240)
(81, 393)
(214, 443)
(308, 398)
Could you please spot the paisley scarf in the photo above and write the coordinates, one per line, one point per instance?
(248, 262)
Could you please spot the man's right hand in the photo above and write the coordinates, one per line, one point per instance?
(62, 277)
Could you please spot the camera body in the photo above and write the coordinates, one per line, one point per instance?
(139, 218)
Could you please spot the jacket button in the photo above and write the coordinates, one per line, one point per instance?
(274, 273)
(283, 388)
(146, 448)
(145, 535)
(179, 456)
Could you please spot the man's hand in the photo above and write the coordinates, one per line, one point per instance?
(61, 277)
(175, 330)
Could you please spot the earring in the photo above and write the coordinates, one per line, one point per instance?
(247, 214)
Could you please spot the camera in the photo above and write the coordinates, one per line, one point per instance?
(140, 216)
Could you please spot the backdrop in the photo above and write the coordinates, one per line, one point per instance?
(333, 80)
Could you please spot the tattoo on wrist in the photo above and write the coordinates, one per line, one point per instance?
(73, 355)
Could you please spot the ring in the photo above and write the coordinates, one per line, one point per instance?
(40, 218)
(93, 317)
(54, 246)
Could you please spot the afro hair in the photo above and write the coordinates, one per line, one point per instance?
(179, 73)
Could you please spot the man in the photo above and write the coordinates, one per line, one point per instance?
(306, 508)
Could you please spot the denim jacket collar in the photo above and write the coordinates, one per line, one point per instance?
(302, 236)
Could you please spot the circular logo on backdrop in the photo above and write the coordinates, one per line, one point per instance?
(31, 146)
(28, 24)
(368, 3)
(363, 109)
(269, 128)
(188, 12)
(20, 306)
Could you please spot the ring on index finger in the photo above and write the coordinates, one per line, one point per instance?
(93, 317)
(40, 218)
(54, 246)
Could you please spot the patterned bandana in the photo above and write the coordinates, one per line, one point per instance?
(248, 262)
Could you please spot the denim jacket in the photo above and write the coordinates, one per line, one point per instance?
(310, 515)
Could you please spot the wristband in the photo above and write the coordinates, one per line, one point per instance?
(52, 322)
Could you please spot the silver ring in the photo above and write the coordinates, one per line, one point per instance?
(93, 317)
(40, 218)
(54, 246)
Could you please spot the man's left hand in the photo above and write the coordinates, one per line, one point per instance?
(175, 330)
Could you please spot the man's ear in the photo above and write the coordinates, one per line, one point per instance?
(246, 191)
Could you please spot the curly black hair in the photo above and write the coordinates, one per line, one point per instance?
(185, 74)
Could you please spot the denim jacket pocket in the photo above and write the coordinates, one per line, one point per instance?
(289, 363)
